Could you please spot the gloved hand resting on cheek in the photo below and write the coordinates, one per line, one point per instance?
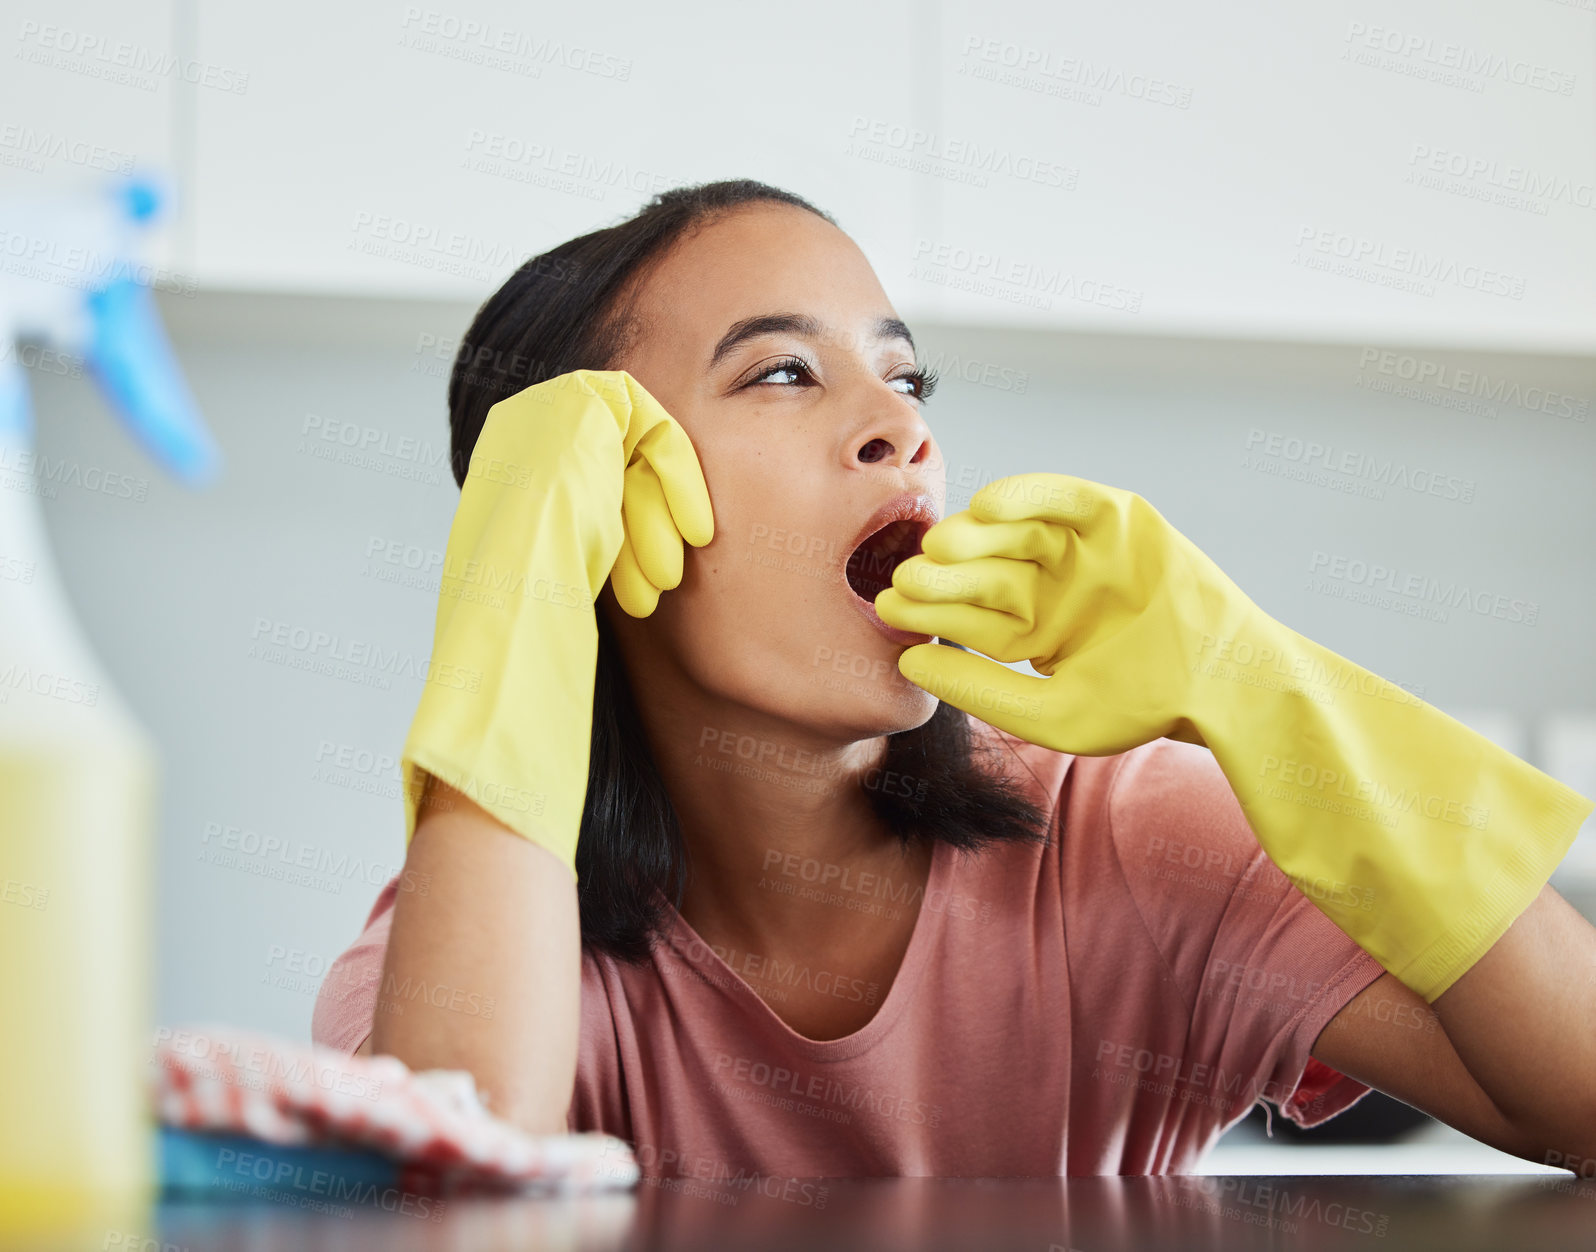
(579, 479)
(1417, 836)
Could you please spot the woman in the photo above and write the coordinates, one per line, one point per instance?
(822, 923)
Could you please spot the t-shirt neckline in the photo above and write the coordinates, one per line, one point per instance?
(905, 984)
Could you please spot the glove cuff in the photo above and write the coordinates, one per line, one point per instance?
(1418, 836)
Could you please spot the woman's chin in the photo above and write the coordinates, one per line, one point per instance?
(869, 691)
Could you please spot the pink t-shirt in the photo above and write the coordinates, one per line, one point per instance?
(1107, 1004)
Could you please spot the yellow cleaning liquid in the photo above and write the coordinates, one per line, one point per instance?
(76, 1131)
(77, 797)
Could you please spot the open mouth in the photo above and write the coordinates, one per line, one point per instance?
(870, 567)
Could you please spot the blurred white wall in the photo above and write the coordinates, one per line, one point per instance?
(1422, 172)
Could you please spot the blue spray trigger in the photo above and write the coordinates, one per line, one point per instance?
(133, 362)
(141, 199)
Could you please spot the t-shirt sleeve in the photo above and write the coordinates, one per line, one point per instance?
(1257, 966)
(346, 1004)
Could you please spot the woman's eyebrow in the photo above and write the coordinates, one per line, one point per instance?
(794, 324)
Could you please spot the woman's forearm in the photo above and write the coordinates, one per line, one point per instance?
(483, 967)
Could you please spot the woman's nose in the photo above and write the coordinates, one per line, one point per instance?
(897, 438)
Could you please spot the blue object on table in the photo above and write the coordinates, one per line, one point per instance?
(221, 1165)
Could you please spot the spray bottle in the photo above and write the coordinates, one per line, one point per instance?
(77, 773)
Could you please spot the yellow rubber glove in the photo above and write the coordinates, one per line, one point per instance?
(1417, 836)
(574, 480)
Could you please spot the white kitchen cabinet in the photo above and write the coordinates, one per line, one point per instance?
(407, 148)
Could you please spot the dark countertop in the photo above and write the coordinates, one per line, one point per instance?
(1499, 1213)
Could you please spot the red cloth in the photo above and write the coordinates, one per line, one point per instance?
(221, 1079)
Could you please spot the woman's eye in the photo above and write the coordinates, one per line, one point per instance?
(917, 383)
(784, 373)
(921, 383)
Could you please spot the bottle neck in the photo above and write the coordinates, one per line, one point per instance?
(49, 674)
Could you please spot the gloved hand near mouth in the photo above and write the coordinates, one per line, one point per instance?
(1434, 837)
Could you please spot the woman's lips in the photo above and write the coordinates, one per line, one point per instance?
(905, 507)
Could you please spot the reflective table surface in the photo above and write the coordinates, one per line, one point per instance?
(1455, 1213)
